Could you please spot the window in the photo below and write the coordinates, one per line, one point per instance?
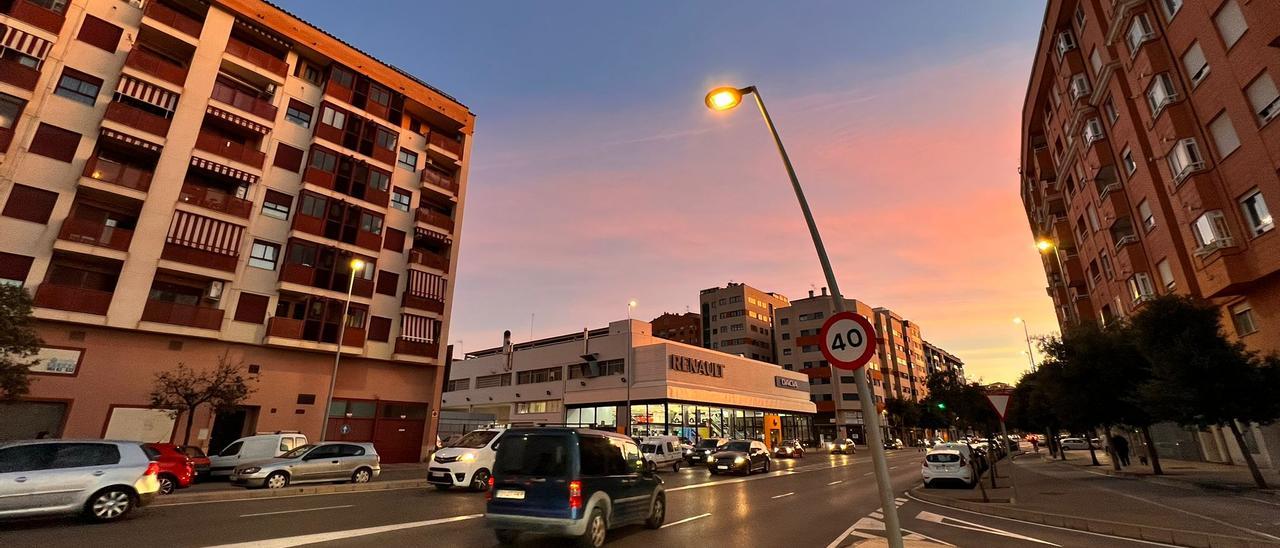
(1160, 93)
(491, 381)
(1242, 318)
(786, 351)
(1195, 64)
(1166, 274)
(388, 283)
(333, 117)
(277, 204)
(1080, 17)
(408, 160)
(288, 157)
(1092, 213)
(30, 204)
(78, 86)
(539, 375)
(542, 406)
(312, 205)
(1095, 61)
(1256, 213)
(96, 32)
(323, 160)
(1107, 268)
(1130, 166)
(379, 180)
(14, 268)
(380, 331)
(1230, 22)
(299, 113)
(1109, 108)
(1171, 7)
(1225, 139)
(1185, 158)
(10, 109)
(370, 222)
(1264, 98)
(54, 142)
(1140, 287)
(1139, 32)
(1211, 232)
(264, 255)
(1148, 218)
(252, 308)
(393, 240)
(400, 199)
(384, 139)
(379, 95)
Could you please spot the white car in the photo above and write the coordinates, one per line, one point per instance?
(947, 465)
(253, 448)
(1079, 443)
(662, 452)
(467, 462)
(104, 480)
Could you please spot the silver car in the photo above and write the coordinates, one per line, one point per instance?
(320, 462)
(104, 480)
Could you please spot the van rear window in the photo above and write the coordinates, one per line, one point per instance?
(942, 457)
(533, 455)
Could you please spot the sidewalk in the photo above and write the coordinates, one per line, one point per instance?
(1203, 475)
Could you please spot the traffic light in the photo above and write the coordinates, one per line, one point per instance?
(942, 406)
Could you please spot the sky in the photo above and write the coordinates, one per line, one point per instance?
(598, 176)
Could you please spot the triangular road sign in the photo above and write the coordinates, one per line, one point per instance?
(999, 402)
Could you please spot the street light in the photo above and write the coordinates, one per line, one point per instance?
(631, 355)
(356, 266)
(726, 98)
(1027, 335)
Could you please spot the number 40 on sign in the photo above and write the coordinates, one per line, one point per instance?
(848, 340)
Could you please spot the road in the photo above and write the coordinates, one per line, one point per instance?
(821, 501)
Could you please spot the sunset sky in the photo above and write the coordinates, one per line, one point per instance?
(598, 176)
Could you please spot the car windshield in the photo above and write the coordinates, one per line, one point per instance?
(790, 444)
(297, 451)
(741, 446)
(533, 455)
(708, 444)
(474, 440)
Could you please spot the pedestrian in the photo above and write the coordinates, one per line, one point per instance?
(1121, 445)
(1035, 444)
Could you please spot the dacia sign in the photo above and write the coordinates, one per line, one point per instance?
(788, 382)
(694, 365)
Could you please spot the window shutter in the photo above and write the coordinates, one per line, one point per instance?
(288, 158)
(379, 329)
(278, 198)
(388, 283)
(1230, 22)
(1224, 135)
(252, 308)
(99, 33)
(55, 142)
(1194, 62)
(30, 204)
(1262, 93)
(14, 267)
(393, 239)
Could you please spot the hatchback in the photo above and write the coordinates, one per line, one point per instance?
(946, 465)
(325, 461)
(104, 480)
(176, 469)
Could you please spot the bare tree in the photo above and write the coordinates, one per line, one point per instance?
(184, 390)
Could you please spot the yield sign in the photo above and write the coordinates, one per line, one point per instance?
(1000, 402)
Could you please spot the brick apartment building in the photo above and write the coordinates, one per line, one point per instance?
(183, 179)
(738, 319)
(685, 328)
(1150, 150)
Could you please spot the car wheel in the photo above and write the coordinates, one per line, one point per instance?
(927, 485)
(506, 537)
(167, 484)
(766, 465)
(480, 480)
(675, 466)
(276, 480)
(109, 504)
(593, 537)
(362, 475)
(658, 513)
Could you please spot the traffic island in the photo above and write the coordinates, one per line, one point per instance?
(245, 494)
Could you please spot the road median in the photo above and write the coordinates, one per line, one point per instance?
(318, 489)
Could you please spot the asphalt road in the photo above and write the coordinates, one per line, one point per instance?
(820, 501)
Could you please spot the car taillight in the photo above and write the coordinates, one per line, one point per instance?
(488, 493)
(575, 494)
(153, 468)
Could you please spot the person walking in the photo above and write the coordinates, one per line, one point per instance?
(1035, 444)
(1121, 445)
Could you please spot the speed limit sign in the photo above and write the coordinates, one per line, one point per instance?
(848, 340)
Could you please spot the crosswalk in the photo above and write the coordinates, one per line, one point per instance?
(872, 526)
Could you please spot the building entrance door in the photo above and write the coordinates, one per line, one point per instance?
(230, 426)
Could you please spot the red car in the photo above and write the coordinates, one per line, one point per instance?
(176, 469)
(198, 459)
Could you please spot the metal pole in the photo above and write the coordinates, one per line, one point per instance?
(870, 417)
(1030, 355)
(337, 357)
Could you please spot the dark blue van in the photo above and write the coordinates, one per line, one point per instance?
(571, 482)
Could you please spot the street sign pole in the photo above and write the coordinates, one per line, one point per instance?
(999, 400)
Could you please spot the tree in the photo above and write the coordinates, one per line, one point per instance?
(1198, 375)
(903, 414)
(18, 342)
(183, 390)
(963, 405)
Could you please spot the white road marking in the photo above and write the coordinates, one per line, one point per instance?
(295, 511)
(685, 520)
(1262, 501)
(783, 495)
(970, 526)
(1190, 513)
(866, 474)
(835, 482)
(267, 499)
(289, 542)
(893, 467)
(804, 470)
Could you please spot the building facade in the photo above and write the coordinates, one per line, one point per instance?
(679, 389)
(683, 328)
(738, 319)
(936, 359)
(1150, 150)
(187, 180)
(901, 351)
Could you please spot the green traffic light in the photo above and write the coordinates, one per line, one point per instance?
(942, 406)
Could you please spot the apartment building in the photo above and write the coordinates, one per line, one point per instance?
(936, 359)
(901, 351)
(183, 180)
(738, 319)
(684, 328)
(1150, 150)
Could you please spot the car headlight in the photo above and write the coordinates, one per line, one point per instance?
(688, 451)
(706, 452)
(467, 457)
(250, 470)
(739, 460)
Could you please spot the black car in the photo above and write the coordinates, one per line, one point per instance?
(790, 449)
(740, 457)
(571, 482)
(703, 450)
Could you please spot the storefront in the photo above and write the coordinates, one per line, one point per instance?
(692, 421)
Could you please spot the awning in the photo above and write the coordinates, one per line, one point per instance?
(419, 328)
(220, 169)
(147, 93)
(130, 140)
(433, 235)
(264, 33)
(203, 233)
(26, 43)
(238, 120)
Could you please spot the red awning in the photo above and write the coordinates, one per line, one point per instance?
(220, 169)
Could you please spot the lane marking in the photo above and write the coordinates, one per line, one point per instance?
(783, 495)
(835, 482)
(686, 520)
(866, 474)
(267, 499)
(300, 540)
(1262, 501)
(893, 467)
(805, 470)
(295, 511)
(971, 526)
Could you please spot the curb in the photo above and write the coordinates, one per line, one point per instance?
(247, 494)
(1180, 537)
(1151, 477)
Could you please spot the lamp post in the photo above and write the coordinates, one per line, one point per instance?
(1027, 335)
(726, 98)
(631, 353)
(356, 266)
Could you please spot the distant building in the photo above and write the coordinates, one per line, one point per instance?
(937, 359)
(738, 319)
(685, 328)
(901, 352)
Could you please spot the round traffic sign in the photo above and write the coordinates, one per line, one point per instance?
(848, 340)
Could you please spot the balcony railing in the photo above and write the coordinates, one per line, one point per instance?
(202, 317)
(6, 137)
(289, 328)
(116, 173)
(417, 348)
(257, 57)
(243, 101)
(429, 259)
(157, 66)
(231, 150)
(199, 257)
(95, 233)
(448, 143)
(37, 14)
(73, 299)
(208, 198)
(435, 218)
(18, 74)
(439, 179)
(175, 19)
(422, 302)
(137, 118)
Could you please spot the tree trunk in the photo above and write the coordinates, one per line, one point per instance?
(191, 417)
(1092, 454)
(1151, 451)
(1111, 449)
(1248, 457)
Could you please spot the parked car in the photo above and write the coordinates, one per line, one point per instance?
(893, 443)
(790, 449)
(1079, 443)
(842, 447)
(198, 459)
(254, 448)
(103, 480)
(465, 462)
(571, 482)
(740, 456)
(661, 452)
(176, 470)
(703, 450)
(942, 465)
(971, 454)
(322, 462)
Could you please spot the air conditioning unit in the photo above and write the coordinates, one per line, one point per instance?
(135, 3)
(1066, 42)
(214, 291)
(1079, 87)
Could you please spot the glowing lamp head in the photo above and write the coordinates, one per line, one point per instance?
(1017, 320)
(724, 98)
(1044, 245)
(632, 303)
(357, 265)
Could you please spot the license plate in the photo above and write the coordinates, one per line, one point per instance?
(437, 475)
(722, 468)
(512, 494)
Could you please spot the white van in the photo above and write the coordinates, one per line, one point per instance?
(467, 462)
(661, 452)
(252, 448)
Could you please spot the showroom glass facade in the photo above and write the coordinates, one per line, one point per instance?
(691, 420)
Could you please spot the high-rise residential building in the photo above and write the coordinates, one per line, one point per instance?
(738, 319)
(1150, 149)
(685, 328)
(184, 180)
(936, 359)
(901, 352)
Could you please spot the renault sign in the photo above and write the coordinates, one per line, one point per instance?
(694, 365)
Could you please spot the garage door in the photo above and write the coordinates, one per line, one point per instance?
(397, 434)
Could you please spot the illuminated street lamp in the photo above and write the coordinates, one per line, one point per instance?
(356, 266)
(726, 98)
(1027, 335)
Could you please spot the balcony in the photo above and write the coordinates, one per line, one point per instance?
(417, 348)
(175, 19)
(18, 74)
(231, 150)
(306, 275)
(95, 233)
(116, 173)
(422, 302)
(435, 218)
(216, 200)
(36, 13)
(440, 179)
(243, 101)
(201, 317)
(6, 137)
(137, 118)
(157, 66)
(199, 257)
(429, 259)
(257, 57)
(73, 299)
(289, 328)
(450, 145)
